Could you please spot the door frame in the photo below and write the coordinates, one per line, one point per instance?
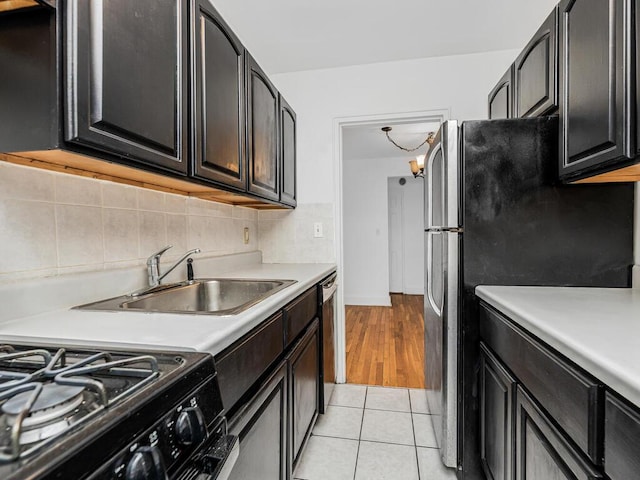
(434, 115)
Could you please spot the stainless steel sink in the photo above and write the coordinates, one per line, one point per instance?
(212, 296)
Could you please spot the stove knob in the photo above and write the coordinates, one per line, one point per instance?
(146, 464)
(190, 426)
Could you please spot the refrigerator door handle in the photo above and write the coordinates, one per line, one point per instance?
(429, 291)
(445, 229)
(429, 185)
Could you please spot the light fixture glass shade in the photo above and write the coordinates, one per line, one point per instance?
(413, 164)
(420, 160)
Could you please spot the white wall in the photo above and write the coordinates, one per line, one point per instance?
(53, 223)
(458, 83)
(366, 228)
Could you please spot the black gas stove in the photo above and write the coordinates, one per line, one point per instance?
(91, 414)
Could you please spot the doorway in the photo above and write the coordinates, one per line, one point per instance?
(406, 234)
(382, 333)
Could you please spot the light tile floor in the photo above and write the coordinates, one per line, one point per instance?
(373, 433)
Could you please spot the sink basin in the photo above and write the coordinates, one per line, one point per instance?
(212, 296)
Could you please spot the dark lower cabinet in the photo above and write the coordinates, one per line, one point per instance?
(570, 396)
(541, 451)
(540, 416)
(621, 439)
(594, 110)
(501, 97)
(217, 98)
(262, 132)
(262, 429)
(535, 72)
(304, 372)
(241, 364)
(270, 389)
(497, 391)
(125, 85)
(299, 314)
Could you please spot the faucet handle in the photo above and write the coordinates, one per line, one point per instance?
(156, 256)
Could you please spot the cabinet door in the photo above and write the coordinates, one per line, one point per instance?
(497, 388)
(300, 313)
(262, 132)
(621, 439)
(288, 148)
(304, 368)
(542, 453)
(535, 72)
(592, 83)
(262, 429)
(241, 364)
(501, 97)
(570, 396)
(218, 92)
(124, 85)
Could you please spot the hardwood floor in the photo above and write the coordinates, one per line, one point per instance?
(385, 345)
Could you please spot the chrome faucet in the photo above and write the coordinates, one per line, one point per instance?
(153, 265)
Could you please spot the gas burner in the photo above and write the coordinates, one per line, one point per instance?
(55, 401)
(55, 409)
(84, 413)
(49, 393)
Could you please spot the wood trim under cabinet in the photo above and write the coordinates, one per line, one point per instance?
(77, 164)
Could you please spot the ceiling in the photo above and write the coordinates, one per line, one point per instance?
(293, 35)
(366, 142)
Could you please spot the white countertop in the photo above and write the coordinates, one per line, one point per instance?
(205, 333)
(597, 328)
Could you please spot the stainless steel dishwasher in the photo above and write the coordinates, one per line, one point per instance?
(327, 350)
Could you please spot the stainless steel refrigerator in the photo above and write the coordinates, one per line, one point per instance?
(494, 215)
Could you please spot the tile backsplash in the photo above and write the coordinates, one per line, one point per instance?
(53, 223)
(287, 236)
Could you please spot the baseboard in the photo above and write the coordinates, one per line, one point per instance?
(413, 290)
(381, 301)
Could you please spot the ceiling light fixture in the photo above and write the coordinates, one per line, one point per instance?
(417, 165)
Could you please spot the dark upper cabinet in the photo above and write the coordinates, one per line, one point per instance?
(288, 149)
(217, 98)
(158, 93)
(262, 132)
(541, 450)
(636, 84)
(594, 111)
(535, 72)
(497, 390)
(125, 83)
(501, 97)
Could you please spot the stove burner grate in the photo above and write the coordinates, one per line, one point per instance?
(43, 402)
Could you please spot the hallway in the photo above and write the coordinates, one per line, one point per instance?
(385, 345)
